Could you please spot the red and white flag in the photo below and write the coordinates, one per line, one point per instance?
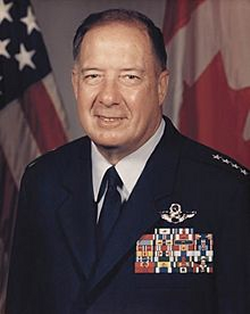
(208, 45)
(32, 119)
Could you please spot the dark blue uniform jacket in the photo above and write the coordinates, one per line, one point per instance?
(53, 266)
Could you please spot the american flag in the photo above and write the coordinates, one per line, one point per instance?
(209, 95)
(32, 119)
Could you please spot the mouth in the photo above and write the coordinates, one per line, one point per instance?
(110, 119)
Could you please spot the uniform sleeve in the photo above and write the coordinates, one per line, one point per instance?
(20, 285)
(233, 254)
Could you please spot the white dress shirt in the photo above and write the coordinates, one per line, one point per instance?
(129, 168)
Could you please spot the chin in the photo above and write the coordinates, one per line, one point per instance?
(110, 147)
(107, 144)
(107, 140)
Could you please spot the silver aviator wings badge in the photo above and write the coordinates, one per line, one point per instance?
(175, 214)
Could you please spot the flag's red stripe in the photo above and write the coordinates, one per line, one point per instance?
(177, 14)
(217, 120)
(42, 118)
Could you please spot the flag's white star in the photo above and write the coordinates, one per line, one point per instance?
(4, 11)
(24, 57)
(30, 21)
(3, 49)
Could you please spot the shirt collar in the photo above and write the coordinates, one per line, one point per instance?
(129, 168)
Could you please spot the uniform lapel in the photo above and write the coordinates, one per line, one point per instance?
(77, 213)
(141, 212)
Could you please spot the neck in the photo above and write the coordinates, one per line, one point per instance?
(113, 154)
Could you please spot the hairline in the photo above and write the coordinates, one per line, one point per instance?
(140, 26)
(126, 17)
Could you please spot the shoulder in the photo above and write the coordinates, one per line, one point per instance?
(197, 157)
(60, 158)
(212, 162)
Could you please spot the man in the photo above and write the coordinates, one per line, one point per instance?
(177, 241)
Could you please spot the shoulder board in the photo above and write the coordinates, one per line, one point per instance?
(36, 160)
(65, 150)
(220, 159)
(212, 157)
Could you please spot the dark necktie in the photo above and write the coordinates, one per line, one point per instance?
(110, 208)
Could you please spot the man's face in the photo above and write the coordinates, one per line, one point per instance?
(119, 88)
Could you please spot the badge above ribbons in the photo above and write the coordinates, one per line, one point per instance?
(175, 214)
(174, 250)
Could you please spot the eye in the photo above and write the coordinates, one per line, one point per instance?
(130, 79)
(92, 78)
(132, 76)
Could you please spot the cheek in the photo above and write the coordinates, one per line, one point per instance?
(85, 101)
(143, 104)
(86, 93)
(136, 100)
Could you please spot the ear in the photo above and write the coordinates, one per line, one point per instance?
(163, 86)
(74, 81)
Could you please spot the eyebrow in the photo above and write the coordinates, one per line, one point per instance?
(123, 69)
(140, 70)
(90, 69)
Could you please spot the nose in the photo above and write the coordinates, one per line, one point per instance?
(109, 94)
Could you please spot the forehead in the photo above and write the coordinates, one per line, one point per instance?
(118, 36)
